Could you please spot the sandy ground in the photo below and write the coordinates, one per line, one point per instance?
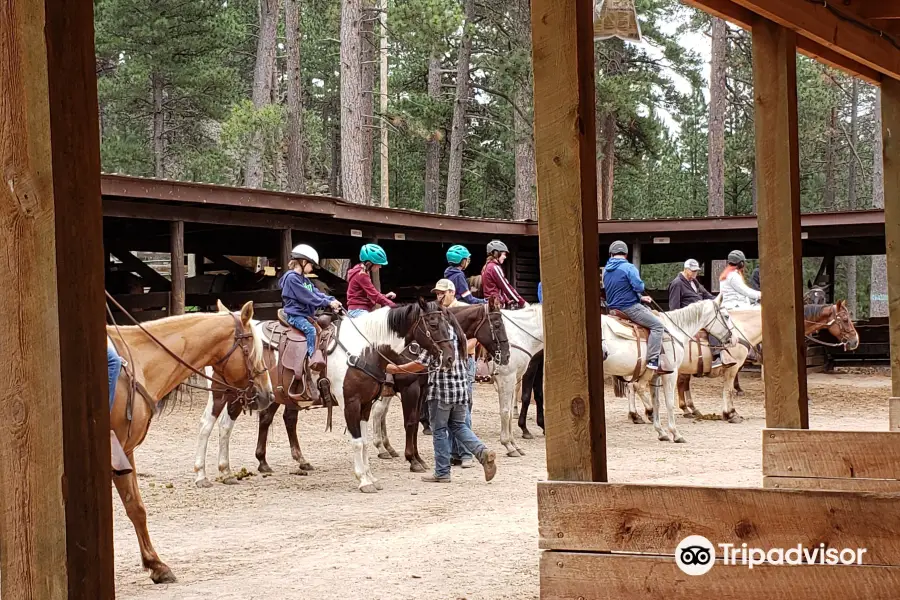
(317, 537)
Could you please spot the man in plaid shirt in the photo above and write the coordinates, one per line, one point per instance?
(448, 397)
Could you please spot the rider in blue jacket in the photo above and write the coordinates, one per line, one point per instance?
(459, 258)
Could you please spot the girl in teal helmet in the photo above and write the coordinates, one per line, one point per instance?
(362, 296)
(459, 258)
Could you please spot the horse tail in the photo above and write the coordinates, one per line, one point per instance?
(619, 388)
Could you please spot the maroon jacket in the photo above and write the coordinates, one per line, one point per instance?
(361, 292)
(495, 285)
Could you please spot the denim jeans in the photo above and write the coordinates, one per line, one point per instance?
(457, 450)
(308, 329)
(642, 315)
(113, 367)
(447, 420)
(357, 312)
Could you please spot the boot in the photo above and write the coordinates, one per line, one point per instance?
(120, 463)
(387, 388)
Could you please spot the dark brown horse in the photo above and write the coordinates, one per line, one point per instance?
(482, 322)
(533, 384)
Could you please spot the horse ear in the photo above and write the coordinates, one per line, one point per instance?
(840, 304)
(247, 313)
(221, 307)
(422, 303)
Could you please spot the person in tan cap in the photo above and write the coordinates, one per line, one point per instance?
(445, 292)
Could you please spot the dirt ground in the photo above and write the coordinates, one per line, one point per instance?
(316, 537)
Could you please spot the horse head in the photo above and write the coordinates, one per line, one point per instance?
(429, 325)
(836, 319)
(718, 320)
(243, 366)
(498, 331)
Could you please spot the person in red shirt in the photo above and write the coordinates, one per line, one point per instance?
(362, 296)
(493, 280)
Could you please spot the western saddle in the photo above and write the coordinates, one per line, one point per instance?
(626, 328)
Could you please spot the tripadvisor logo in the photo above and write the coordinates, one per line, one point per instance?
(696, 555)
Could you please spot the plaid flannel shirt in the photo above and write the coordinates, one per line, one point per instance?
(448, 387)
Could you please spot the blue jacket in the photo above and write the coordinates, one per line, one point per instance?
(540, 293)
(299, 296)
(622, 283)
(458, 278)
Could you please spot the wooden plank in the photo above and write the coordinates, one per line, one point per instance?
(234, 300)
(133, 264)
(176, 242)
(55, 509)
(606, 517)
(572, 576)
(890, 122)
(798, 453)
(149, 300)
(846, 484)
(882, 9)
(894, 414)
(778, 207)
(565, 143)
(286, 245)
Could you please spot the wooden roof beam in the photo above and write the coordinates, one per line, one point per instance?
(872, 9)
(743, 17)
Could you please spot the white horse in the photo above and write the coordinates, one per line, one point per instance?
(682, 325)
(525, 330)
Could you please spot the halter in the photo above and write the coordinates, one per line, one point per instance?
(495, 339)
(845, 334)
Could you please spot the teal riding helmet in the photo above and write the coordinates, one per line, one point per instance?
(374, 254)
(457, 254)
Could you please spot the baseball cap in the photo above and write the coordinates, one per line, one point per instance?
(444, 285)
(692, 264)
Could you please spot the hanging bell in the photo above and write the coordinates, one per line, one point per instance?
(616, 18)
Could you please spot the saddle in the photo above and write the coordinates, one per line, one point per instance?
(700, 350)
(621, 326)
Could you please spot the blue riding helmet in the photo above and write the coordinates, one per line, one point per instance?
(457, 254)
(374, 254)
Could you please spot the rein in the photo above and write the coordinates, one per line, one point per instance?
(485, 318)
(352, 358)
(844, 333)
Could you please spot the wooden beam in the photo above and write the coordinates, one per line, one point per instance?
(799, 453)
(133, 264)
(742, 17)
(176, 241)
(563, 51)
(636, 255)
(778, 207)
(890, 123)
(880, 9)
(568, 575)
(846, 484)
(652, 519)
(287, 244)
(56, 537)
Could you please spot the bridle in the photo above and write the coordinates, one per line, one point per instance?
(496, 340)
(845, 333)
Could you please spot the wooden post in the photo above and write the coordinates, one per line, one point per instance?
(705, 276)
(376, 275)
(890, 123)
(636, 255)
(55, 508)
(565, 142)
(832, 277)
(287, 244)
(383, 54)
(778, 205)
(176, 245)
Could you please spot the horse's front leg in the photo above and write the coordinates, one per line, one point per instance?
(729, 414)
(226, 426)
(214, 406)
(685, 399)
(365, 419)
(128, 490)
(527, 385)
(538, 391)
(291, 416)
(265, 421)
(409, 400)
(506, 388)
(379, 427)
(644, 388)
(668, 387)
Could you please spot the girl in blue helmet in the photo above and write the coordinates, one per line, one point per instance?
(362, 296)
(459, 258)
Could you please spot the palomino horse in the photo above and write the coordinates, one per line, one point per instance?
(682, 325)
(748, 327)
(161, 355)
(482, 322)
(392, 327)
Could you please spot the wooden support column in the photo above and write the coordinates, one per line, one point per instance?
(831, 267)
(55, 507)
(705, 276)
(890, 125)
(636, 255)
(778, 203)
(565, 142)
(176, 243)
(287, 244)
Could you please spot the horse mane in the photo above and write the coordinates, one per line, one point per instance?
(689, 314)
(812, 312)
(475, 285)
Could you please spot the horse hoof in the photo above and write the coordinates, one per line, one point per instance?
(688, 415)
(394, 453)
(385, 455)
(513, 453)
(300, 472)
(734, 418)
(379, 486)
(163, 575)
(526, 435)
(636, 418)
(739, 392)
(427, 431)
(415, 467)
(649, 414)
(368, 489)
(305, 466)
(663, 437)
(203, 483)
(265, 468)
(230, 480)
(520, 451)
(680, 440)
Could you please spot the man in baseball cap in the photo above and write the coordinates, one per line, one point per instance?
(685, 289)
(445, 292)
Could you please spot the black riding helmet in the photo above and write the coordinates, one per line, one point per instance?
(737, 258)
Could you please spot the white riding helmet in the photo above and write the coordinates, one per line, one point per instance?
(305, 252)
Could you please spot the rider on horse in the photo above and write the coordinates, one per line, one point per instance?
(493, 281)
(362, 296)
(735, 292)
(625, 292)
(685, 290)
(459, 258)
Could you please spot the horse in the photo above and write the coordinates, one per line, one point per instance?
(748, 326)
(533, 383)
(625, 357)
(161, 355)
(482, 322)
(392, 327)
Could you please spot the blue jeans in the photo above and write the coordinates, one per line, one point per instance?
(357, 312)
(456, 449)
(447, 420)
(308, 329)
(113, 368)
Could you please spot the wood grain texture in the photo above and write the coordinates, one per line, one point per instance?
(55, 509)
(176, 241)
(841, 484)
(571, 576)
(565, 144)
(894, 414)
(606, 517)
(778, 206)
(806, 453)
(890, 126)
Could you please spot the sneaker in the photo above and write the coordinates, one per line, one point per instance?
(653, 365)
(716, 363)
(489, 462)
(467, 463)
(433, 479)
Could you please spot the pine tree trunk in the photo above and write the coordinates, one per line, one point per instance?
(296, 143)
(524, 207)
(753, 186)
(460, 104)
(331, 115)
(262, 85)
(718, 91)
(850, 261)
(433, 145)
(368, 47)
(352, 118)
(159, 125)
(828, 195)
(878, 296)
(608, 165)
